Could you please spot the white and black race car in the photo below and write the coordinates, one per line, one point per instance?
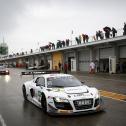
(62, 94)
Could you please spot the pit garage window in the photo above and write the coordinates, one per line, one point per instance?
(40, 81)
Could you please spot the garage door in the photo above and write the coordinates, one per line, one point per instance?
(122, 51)
(84, 59)
(106, 53)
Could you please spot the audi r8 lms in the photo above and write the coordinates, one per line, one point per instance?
(3, 70)
(62, 94)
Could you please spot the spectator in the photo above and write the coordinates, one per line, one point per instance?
(49, 45)
(94, 38)
(41, 63)
(97, 35)
(53, 46)
(34, 64)
(97, 66)
(59, 64)
(80, 39)
(106, 67)
(31, 51)
(77, 40)
(41, 49)
(87, 38)
(67, 42)
(114, 31)
(59, 44)
(107, 31)
(26, 65)
(92, 67)
(83, 37)
(124, 33)
(63, 43)
(101, 35)
(48, 65)
(65, 67)
(22, 53)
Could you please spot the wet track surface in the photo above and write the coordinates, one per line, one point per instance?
(14, 111)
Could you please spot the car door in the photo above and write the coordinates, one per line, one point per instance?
(40, 85)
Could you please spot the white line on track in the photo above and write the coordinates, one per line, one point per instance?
(2, 121)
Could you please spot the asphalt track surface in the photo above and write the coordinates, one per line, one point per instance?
(14, 111)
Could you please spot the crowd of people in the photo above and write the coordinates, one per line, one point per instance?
(59, 44)
(47, 47)
(63, 67)
(82, 38)
(106, 33)
(63, 43)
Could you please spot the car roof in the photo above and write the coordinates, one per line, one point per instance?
(54, 75)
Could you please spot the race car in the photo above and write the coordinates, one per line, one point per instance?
(3, 70)
(62, 94)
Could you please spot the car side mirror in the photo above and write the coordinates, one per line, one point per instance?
(82, 82)
(37, 84)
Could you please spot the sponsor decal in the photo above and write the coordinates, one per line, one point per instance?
(78, 95)
(39, 93)
(58, 90)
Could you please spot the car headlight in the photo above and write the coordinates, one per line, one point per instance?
(7, 71)
(59, 99)
(97, 94)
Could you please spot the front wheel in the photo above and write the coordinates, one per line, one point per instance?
(44, 103)
(24, 92)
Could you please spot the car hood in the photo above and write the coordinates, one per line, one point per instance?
(79, 89)
(2, 69)
(74, 92)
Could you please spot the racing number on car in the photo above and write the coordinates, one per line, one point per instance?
(84, 102)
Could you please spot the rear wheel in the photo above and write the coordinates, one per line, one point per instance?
(24, 92)
(44, 103)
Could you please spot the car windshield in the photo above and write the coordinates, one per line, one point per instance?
(64, 81)
(2, 66)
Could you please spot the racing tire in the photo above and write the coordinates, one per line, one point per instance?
(32, 92)
(44, 103)
(24, 93)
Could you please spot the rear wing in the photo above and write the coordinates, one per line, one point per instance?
(39, 72)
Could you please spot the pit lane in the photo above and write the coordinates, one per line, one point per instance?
(14, 111)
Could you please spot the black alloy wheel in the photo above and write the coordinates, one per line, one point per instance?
(44, 103)
(24, 92)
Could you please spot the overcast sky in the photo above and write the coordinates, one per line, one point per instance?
(26, 23)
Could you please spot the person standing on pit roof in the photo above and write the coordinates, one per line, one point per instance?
(114, 31)
(124, 29)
